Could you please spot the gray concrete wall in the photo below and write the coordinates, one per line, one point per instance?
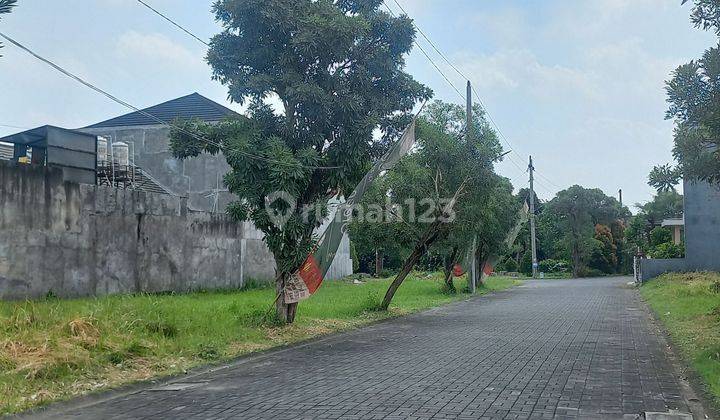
(196, 178)
(702, 234)
(79, 240)
(702, 225)
(651, 268)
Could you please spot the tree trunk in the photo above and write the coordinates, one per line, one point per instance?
(480, 265)
(430, 236)
(379, 262)
(285, 312)
(576, 260)
(449, 264)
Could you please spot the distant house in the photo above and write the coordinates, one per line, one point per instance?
(196, 178)
(700, 227)
(676, 226)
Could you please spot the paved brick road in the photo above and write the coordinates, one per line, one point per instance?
(548, 349)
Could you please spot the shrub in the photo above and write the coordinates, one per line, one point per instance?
(509, 264)
(554, 266)
(660, 235)
(667, 250)
(526, 264)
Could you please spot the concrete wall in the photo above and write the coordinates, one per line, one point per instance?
(651, 268)
(78, 240)
(196, 178)
(702, 225)
(702, 234)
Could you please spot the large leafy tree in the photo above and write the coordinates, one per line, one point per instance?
(578, 210)
(694, 97)
(5, 7)
(336, 68)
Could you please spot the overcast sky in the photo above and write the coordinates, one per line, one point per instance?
(579, 84)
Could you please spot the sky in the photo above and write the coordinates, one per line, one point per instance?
(577, 84)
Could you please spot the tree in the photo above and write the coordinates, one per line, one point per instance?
(449, 177)
(474, 221)
(577, 211)
(374, 228)
(336, 68)
(650, 215)
(694, 97)
(664, 178)
(706, 14)
(6, 7)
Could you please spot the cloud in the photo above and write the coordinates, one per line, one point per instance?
(521, 70)
(156, 48)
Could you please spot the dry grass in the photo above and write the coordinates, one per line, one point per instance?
(55, 349)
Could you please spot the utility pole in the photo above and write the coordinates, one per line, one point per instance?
(620, 194)
(533, 247)
(473, 269)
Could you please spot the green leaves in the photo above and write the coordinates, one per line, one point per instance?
(664, 178)
(334, 71)
(694, 97)
(5, 7)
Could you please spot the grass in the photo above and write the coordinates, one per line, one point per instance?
(689, 306)
(54, 349)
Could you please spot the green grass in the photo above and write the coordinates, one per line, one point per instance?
(689, 306)
(55, 349)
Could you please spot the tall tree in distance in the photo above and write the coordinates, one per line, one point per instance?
(5, 7)
(337, 70)
(579, 210)
(664, 178)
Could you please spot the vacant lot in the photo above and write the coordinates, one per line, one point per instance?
(54, 349)
(689, 306)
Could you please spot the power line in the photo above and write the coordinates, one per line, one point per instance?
(14, 126)
(147, 114)
(420, 47)
(479, 99)
(162, 15)
(429, 58)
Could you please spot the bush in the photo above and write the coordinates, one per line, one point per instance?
(526, 264)
(509, 265)
(660, 235)
(667, 250)
(554, 266)
(590, 272)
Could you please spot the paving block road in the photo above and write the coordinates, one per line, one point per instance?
(548, 349)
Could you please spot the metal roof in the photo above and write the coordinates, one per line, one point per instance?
(39, 136)
(185, 107)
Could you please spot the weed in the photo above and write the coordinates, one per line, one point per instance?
(372, 302)
(715, 286)
(260, 317)
(208, 352)
(164, 329)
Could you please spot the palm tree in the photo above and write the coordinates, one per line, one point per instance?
(5, 7)
(664, 178)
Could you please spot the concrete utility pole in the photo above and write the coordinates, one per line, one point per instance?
(473, 269)
(533, 247)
